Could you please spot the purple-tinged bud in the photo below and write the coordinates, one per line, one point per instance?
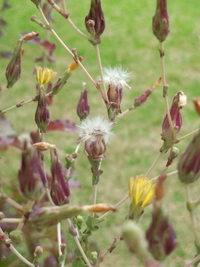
(168, 134)
(31, 175)
(83, 108)
(189, 162)
(13, 70)
(160, 22)
(174, 152)
(42, 116)
(160, 234)
(142, 98)
(50, 261)
(60, 191)
(95, 148)
(95, 22)
(135, 240)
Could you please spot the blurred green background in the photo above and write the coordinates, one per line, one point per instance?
(128, 42)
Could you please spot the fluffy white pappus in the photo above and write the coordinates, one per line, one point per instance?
(95, 126)
(117, 76)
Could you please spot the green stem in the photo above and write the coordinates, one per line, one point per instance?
(29, 207)
(116, 206)
(79, 245)
(188, 135)
(192, 216)
(154, 164)
(168, 174)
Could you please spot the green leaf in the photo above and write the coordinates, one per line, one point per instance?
(78, 263)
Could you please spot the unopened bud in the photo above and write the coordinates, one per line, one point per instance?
(16, 236)
(160, 234)
(168, 134)
(174, 152)
(13, 70)
(83, 108)
(60, 191)
(189, 162)
(58, 85)
(135, 239)
(160, 23)
(29, 36)
(95, 22)
(31, 175)
(42, 116)
(142, 98)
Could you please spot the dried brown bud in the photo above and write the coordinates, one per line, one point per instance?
(29, 36)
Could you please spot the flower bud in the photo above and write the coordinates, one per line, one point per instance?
(95, 148)
(60, 191)
(174, 152)
(189, 161)
(42, 116)
(142, 98)
(95, 22)
(48, 216)
(13, 70)
(50, 261)
(16, 236)
(57, 86)
(168, 134)
(160, 234)
(83, 108)
(135, 239)
(31, 175)
(160, 23)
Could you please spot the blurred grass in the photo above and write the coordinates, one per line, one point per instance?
(127, 41)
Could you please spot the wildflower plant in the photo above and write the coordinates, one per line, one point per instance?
(51, 225)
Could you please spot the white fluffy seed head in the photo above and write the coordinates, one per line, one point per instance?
(96, 126)
(116, 76)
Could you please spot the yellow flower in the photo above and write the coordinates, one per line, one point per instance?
(141, 192)
(45, 75)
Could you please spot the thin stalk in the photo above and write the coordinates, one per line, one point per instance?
(79, 245)
(96, 47)
(77, 148)
(192, 216)
(161, 48)
(14, 204)
(11, 247)
(168, 175)
(5, 98)
(126, 111)
(66, 48)
(29, 207)
(188, 135)
(59, 238)
(94, 197)
(11, 220)
(116, 206)
(193, 261)
(154, 164)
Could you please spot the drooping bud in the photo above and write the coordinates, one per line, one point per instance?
(160, 234)
(95, 22)
(135, 240)
(174, 152)
(42, 116)
(83, 108)
(31, 175)
(189, 162)
(160, 22)
(13, 70)
(60, 191)
(168, 134)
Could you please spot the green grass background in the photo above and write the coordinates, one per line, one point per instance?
(127, 41)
